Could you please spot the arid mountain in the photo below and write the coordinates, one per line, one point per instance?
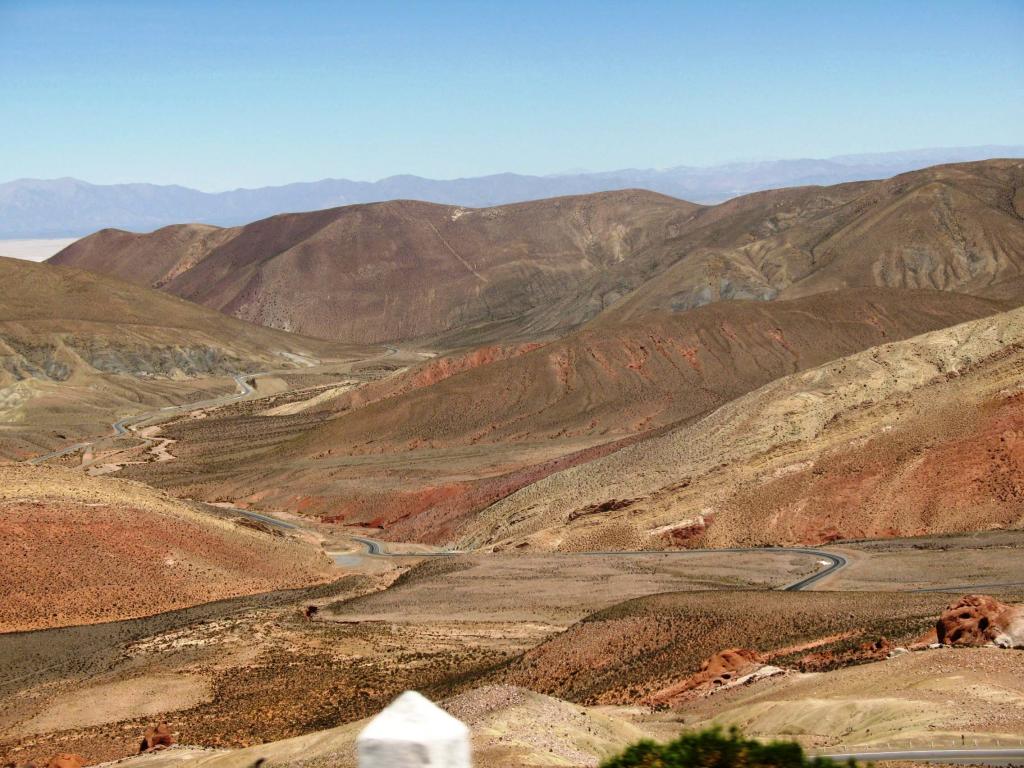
(913, 437)
(152, 261)
(38, 298)
(460, 277)
(955, 228)
(80, 550)
(418, 454)
(402, 269)
(76, 347)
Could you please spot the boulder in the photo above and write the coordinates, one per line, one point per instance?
(66, 760)
(727, 665)
(156, 737)
(981, 620)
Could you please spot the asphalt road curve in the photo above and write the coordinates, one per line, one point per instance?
(832, 562)
(965, 756)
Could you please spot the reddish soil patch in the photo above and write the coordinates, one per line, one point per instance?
(435, 514)
(76, 563)
(721, 669)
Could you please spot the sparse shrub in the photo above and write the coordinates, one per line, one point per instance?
(714, 749)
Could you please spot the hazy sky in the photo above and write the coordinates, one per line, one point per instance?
(224, 94)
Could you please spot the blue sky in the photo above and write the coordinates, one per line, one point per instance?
(218, 95)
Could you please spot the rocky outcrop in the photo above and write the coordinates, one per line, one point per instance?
(980, 620)
(156, 737)
(727, 668)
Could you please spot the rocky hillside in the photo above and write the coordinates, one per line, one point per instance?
(912, 437)
(403, 269)
(419, 454)
(457, 276)
(82, 550)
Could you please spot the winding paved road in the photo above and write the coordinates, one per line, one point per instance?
(374, 548)
(834, 561)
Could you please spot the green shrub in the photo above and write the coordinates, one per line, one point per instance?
(715, 749)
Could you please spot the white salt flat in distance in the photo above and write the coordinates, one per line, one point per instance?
(411, 732)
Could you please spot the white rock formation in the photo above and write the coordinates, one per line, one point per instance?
(412, 732)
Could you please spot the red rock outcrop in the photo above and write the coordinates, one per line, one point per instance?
(979, 620)
(722, 669)
(156, 737)
(66, 760)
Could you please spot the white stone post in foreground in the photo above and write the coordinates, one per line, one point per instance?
(413, 732)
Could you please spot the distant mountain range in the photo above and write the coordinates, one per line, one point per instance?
(34, 208)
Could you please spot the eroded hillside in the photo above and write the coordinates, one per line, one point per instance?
(916, 436)
(419, 454)
(78, 349)
(80, 550)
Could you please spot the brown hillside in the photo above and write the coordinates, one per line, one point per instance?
(954, 227)
(405, 269)
(625, 653)
(913, 437)
(79, 550)
(77, 347)
(460, 277)
(46, 297)
(152, 260)
(419, 453)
